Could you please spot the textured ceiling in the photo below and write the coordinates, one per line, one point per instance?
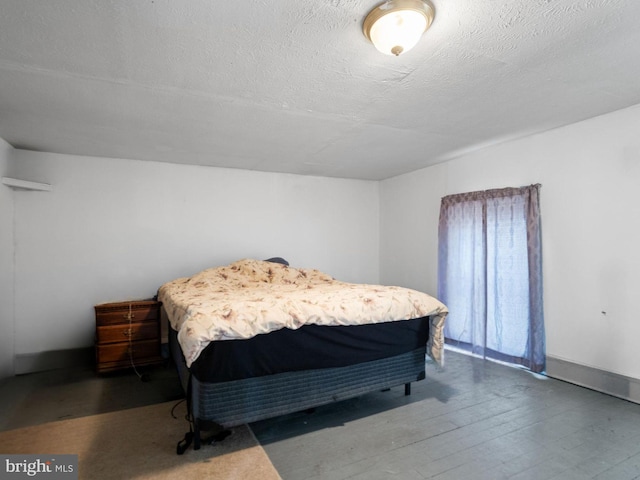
(294, 86)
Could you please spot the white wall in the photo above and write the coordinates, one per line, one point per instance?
(117, 229)
(590, 176)
(6, 267)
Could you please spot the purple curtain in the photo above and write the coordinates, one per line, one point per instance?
(490, 274)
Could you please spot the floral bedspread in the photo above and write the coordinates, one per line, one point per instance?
(251, 297)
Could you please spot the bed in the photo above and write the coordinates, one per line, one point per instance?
(257, 338)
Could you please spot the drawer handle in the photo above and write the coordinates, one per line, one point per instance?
(127, 332)
(129, 316)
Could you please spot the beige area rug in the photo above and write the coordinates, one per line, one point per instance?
(140, 443)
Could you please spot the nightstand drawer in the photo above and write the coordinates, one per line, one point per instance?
(124, 332)
(117, 313)
(117, 354)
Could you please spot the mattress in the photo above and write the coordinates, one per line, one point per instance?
(309, 347)
(249, 298)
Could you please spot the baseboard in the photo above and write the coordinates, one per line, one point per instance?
(620, 386)
(51, 360)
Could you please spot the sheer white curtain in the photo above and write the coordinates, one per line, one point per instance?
(490, 274)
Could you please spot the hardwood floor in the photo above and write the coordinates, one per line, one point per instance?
(475, 419)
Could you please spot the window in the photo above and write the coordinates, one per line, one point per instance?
(490, 274)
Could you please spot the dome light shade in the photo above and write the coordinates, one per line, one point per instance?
(396, 26)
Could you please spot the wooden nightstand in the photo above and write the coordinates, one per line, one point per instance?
(127, 333)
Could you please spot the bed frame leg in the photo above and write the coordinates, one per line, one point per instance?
(407, 388)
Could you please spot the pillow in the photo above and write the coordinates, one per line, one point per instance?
(277, 260)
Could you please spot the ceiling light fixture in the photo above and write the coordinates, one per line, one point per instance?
(395, 26)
